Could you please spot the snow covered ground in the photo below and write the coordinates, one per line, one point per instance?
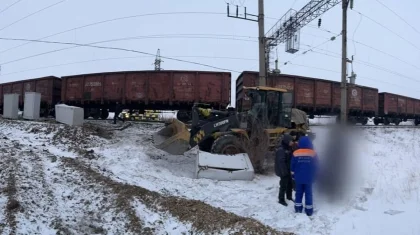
(98, 179)
(326, 120)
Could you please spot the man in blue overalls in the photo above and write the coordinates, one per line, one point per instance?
(304, 164)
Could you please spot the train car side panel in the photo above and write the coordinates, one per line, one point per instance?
(336, 95)
(44, 87)
(390, 106)
(93, 90)
(354, 95)
(417, 107)
(304, 92)
(136, 87)
(282, 82)
(213, 87)
(113, 87)
(160, 87)
(410, 106)
(402, 105)
(17, 88)
(370, 100)
(323, 94)
(73, 89)
(183, 86)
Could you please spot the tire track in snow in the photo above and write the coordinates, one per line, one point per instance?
(36, 197)
(202, 217)
(7, 184)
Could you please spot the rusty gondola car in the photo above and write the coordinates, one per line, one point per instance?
(49, 87)
(316, 96)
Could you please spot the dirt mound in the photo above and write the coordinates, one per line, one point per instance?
(203, 217)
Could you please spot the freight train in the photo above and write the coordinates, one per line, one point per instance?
(99, 93)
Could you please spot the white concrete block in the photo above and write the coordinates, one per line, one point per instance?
(32, 105)
(69, 115)
(224, 167)
(11, 106)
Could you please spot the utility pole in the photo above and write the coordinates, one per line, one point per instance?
(261, 38)
(343, 106)
(261, 41)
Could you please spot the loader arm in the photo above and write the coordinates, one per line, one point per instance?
(206, 130)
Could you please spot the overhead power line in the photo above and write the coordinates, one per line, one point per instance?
(398, 16)
(36, 12)
(383, 26)
(111, 20)
(378, 67)
(117, 49)
(303, 53)
(122, 39)
(115, 40)
(121, 58)
(381, 51)
(7, 8)
(368, 78)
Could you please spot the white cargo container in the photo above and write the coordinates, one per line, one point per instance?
(32, 105)
(11, 106)
(69, 115)
(224, 168)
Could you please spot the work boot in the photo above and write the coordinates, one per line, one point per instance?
(283, 202)
(281, 198)
(290, 199)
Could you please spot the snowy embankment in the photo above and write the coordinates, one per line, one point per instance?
(50, 183)
(385, 154)
(96, 179)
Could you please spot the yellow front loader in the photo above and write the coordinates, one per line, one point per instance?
(220, 132)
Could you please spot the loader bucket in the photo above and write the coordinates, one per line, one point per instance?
(173, 139)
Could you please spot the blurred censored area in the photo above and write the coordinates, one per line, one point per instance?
(339, 157)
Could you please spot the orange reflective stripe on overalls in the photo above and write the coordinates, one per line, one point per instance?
(304, 153)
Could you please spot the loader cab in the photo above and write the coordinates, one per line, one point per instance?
(270, 106)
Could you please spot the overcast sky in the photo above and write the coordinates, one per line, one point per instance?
(385, 58)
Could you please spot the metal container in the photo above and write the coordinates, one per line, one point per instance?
(10, 106)
(147, 89)
(49, 88)
(313, 95)
(397, 105)
(32, 105)
(388, 104)
(417, 107)
(69, 115)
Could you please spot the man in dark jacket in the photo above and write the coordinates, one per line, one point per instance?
(282, 168)
(304, 166)
(118, 110)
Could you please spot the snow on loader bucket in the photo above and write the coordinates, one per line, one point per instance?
(173, 139)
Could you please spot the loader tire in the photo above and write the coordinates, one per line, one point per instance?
(226, 145)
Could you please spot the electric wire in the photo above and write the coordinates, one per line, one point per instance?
(114, 40)
(121, 58)
(45, 8)
(7, 8)
(378, 67)
(383, 52)
(398, 16)
(111, 20)
(303, 53)
(383, 26)
(368, 78)
(117, 49)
